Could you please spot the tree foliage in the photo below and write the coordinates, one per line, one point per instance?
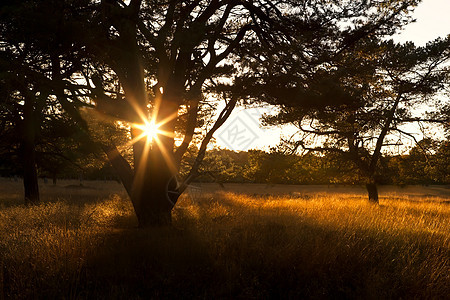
(380, 87)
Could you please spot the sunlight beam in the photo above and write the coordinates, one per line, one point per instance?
(149, 129)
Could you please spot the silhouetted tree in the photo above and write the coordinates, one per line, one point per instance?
(35, 45)
(174, 59)
(379, 86)
(22, 105)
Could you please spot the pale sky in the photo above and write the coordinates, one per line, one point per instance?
(242, 130)
(433, 21)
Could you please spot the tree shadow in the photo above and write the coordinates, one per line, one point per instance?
(247, 254)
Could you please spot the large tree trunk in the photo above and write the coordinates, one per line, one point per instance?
(154, 192)
(30, 179)
(154, 178)
(372, 191)
(154, 187)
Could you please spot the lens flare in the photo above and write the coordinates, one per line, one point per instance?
(152, 132)
(149, 129)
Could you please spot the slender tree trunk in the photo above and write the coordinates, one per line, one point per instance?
(30, 179)
(372, 191)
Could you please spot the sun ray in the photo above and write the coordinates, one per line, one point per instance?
(143, 161)
(168, 119)
(169, 160)
(152, 132)
(135, 139)
(149, 129)
(166, 133)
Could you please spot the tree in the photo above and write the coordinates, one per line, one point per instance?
(22, 104)
(380, 85)
(29, 42)
(173, 58)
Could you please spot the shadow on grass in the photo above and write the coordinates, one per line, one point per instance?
(151, 263)
(221, 249)
(262, 260)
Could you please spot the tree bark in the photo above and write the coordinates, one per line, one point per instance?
(372, 192)
(154, 192)
(153, 189)
(30, 179)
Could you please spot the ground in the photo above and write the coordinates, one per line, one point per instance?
(241, 241)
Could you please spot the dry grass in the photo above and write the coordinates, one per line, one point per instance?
(82, 243)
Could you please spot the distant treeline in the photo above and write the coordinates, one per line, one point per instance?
(427, 163)
(419, 166)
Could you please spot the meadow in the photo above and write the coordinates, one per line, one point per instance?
(241, 241)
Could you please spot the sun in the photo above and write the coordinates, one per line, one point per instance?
(149, 129)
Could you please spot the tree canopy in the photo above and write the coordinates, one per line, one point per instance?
(381, 86)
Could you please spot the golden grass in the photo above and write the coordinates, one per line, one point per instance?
(227, 244)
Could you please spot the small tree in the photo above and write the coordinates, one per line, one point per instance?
(380, 86)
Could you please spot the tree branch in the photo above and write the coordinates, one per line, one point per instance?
(190, 130)
(377, 151)
(417, 143)
(121, 165)
(223, 116)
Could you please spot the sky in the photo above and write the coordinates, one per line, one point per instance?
(243, 131)
(433, 21)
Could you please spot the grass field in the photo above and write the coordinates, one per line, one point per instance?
(244, 241)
